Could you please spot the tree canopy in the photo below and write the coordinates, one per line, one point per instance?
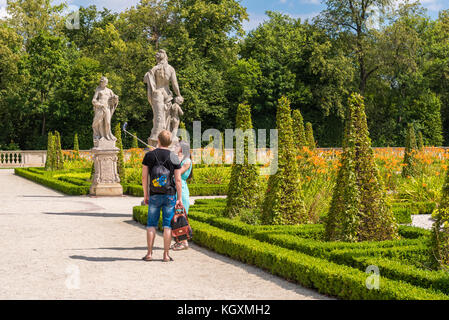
(395, 56)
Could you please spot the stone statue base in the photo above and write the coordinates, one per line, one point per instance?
(106, 181)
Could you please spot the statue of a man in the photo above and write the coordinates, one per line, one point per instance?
(158, 81)
(105, 102)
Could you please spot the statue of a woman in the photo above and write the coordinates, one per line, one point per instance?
(105, 102)
(158, 81)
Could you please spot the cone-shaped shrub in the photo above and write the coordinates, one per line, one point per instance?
(440, 230)
(76, 146)
(58, 152)
(135, 142)
(284, 203)
(420, 142)
(121, 158)
(50, 161)
(244, 190)
(409, 163)
(309, 136)
(298, 129)
(358, 210)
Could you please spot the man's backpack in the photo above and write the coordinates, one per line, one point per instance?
(180, 227)
(161, 178)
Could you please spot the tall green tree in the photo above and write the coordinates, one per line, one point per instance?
(47, 62)
(32, 17)
(352, 21)
(298, 60)
(359, 210)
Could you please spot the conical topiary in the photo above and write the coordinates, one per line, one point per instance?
(49, 162)
(121, 158)
(244, 187)
(284, 203)
(59, 156)
(135, 142)
(420, 142)
(409, 163)
(298, 129)
(309, 136)
(76, 146)
(359, 210)
(439, 241)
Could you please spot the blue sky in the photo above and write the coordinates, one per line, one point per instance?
(256, 8)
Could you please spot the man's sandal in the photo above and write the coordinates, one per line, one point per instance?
(146, 258)
(169, 259)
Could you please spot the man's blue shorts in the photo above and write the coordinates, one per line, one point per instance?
(155, 204)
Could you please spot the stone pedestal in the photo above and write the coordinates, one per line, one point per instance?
(106, 181)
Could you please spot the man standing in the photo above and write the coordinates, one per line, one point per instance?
(161, 181)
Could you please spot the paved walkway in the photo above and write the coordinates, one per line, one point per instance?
(54, 246)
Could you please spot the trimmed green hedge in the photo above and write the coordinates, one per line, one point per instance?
(76, 186)
(194, 189)
(426, 207)
(332, 259)
(56, 184)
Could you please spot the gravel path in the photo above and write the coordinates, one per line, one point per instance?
(67, 247)
(422, 220)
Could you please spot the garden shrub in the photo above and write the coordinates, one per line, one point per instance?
(284, 203)
(439, 241)
(121, 157)
(58, 152)
(50, 162)
(76, 146)
(309, 136)
(420, 141)
(298, 129)
(244, 176)
(409, 163)
(359, 210)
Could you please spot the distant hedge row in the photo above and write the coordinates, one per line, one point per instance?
(76, 186)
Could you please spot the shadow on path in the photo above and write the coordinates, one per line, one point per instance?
(120, 248)
(91, 214)
(103, 259)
